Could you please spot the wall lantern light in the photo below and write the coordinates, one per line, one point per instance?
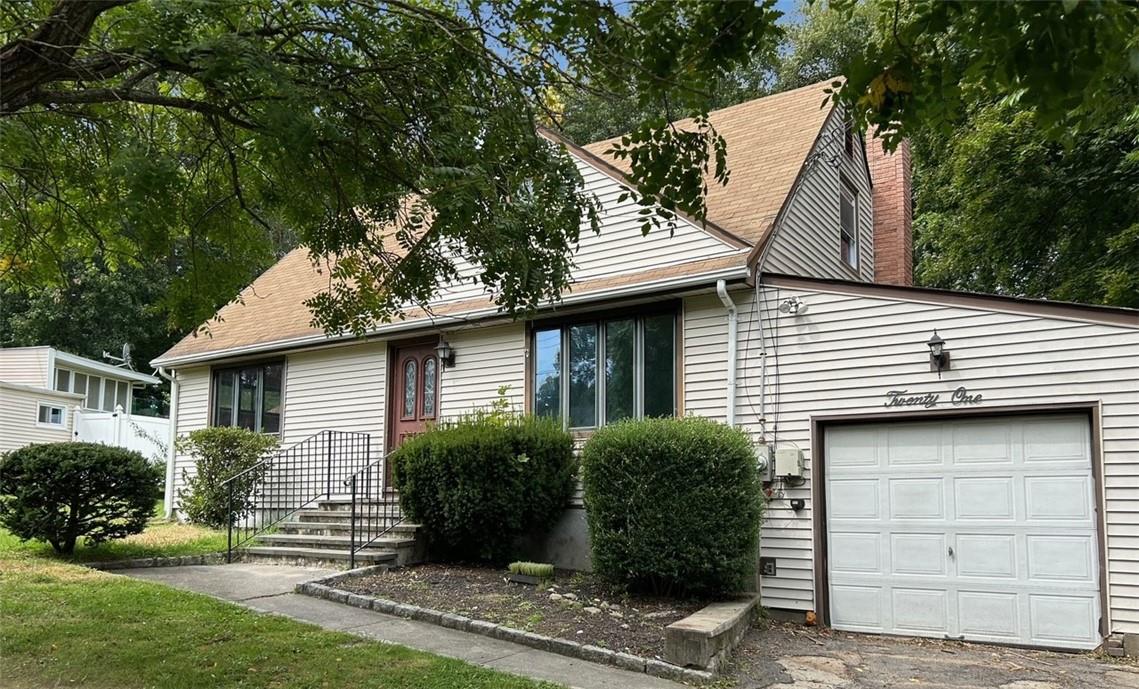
(938, 354)
(446, 354)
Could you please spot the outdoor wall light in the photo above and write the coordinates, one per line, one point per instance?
(446, 354)
(938, 354)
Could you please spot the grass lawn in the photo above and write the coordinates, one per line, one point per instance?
(62, 624)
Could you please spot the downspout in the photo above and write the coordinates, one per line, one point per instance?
(168, 494)
(733, 329)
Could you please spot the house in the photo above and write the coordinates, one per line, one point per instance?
(48, 395)
(941, 464)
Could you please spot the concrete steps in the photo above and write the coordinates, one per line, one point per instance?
(321, 534)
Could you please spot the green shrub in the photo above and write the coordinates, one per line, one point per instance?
(219, 453)
(673, 505)
(62, 491)
(477, 484)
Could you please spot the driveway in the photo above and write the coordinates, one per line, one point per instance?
(791, 656)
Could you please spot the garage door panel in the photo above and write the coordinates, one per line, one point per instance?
(988, 615)
(920, 554)
(1062, 619)
(853, 499)
(915, 445)
(981, 443)
(857, 607)
(988, 555)
(1055, 441)
(917, 498)
(1061, 558)
(982, 529)
(920, 610)
(1066, 497)
(856, 552)
(984, 498)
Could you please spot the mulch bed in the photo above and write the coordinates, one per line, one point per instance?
(574, 606)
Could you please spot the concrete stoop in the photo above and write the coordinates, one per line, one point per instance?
(322, 537)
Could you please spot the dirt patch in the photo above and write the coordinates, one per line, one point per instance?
(574, 606)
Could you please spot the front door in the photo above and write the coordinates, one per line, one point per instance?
(414, 391)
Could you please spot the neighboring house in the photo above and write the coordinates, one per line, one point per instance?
(47, 395)
(994, 499)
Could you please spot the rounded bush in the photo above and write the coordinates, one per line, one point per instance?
(63, 491)
(477, 484)
(222, 452)
(673, 505)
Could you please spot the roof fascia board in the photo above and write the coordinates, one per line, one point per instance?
(1105, 315)
(731, 273)
(105, 369)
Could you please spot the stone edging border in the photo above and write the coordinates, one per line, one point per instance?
(321, 588)
(174, 561)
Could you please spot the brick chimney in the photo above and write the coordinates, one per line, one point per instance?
(893, 213)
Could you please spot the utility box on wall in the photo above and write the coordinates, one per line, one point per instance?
(789, 462)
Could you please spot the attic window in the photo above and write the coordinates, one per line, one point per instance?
(848, 225)
(848, 138)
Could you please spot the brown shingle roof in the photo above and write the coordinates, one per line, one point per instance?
(768, 139)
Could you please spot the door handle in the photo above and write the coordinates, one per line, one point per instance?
(950, 551)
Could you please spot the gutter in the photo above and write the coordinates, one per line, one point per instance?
(733, 345)
(168, 493)
(740, 272)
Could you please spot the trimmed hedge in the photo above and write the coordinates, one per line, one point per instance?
(60, 492)
(673, 505)
(477, 484)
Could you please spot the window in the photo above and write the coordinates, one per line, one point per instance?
(62, 380)
(50, 415)
(848, 225)
(430, 378)
(592, 373)
(848, 138)
(250, 397)
(94, 390)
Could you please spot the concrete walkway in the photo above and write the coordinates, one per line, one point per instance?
(269, 588)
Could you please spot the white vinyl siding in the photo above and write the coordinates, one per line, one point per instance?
(20, 412)
(619, 247)
(848, 350)
(26, 366)
(193, 413)
(807, 241)
(336, 389)
(485, 358)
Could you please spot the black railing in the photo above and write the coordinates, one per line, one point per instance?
(269, 492)
(375, 508)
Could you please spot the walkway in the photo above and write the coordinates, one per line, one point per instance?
(269, 588)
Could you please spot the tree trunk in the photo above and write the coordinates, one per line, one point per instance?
(48, 53)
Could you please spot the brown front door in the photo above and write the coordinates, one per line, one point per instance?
(413, 391)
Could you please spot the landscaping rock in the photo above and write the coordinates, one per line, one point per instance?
(592, 610)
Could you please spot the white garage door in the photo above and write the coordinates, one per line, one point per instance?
(978, 529)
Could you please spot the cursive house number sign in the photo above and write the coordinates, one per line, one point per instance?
(902, 398)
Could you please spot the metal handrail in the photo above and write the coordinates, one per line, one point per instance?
(291, 479)
(373, 512)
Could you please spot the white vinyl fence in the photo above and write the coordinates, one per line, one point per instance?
(148, 435)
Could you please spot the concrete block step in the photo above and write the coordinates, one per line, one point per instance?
(341, 527)
(330, 542)
(374, 557)
(335, 515)
(345, 505)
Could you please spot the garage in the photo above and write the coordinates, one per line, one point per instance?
(981, 529)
